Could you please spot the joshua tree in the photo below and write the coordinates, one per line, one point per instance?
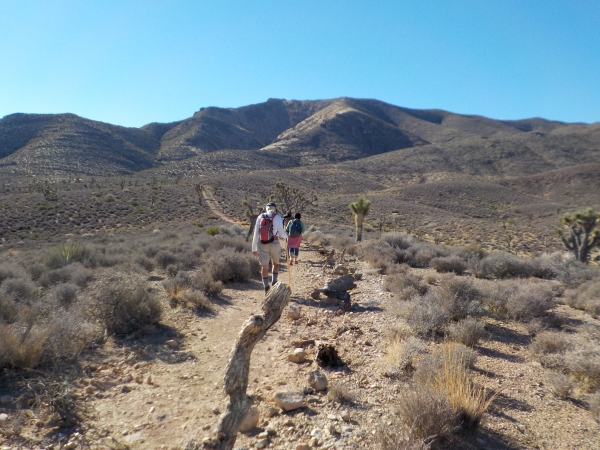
(291, 199)
(250, 214)
(200, 191)
(360, 208)
(580, 235)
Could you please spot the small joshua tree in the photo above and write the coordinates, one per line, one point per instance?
(250, 214)
(360, 208)
(580, 234)
(200, 191)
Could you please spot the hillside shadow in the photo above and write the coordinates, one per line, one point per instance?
(503, 402)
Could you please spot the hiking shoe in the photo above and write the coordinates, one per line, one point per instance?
(291, 262)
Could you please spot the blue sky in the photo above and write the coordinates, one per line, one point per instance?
(135, 62)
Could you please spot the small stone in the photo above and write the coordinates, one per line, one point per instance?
(262, 435)
(345, 416)
(3, 418)
(317, 380)
(152, 410)
(294, 312)
(272, 412)
(171, 343)
(125, 388)
(302, 446)
(314, 442)
(271, 431)
(262, 443)
(298, 356)
(331, 428)
(149, 379)
(332, 417)
(288, 401)
(70, 445)
(139, 378)
(251, 420)
(341, 269)
(89, 389)
(127, 378)
(216, 411)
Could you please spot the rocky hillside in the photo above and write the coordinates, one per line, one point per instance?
(288, 133)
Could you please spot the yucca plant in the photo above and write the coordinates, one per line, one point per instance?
(360, 208)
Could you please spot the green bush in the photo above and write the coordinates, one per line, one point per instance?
(213, 231)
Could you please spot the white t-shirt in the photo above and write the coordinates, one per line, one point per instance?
(278, 230)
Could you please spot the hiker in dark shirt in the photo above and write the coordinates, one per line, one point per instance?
(295, 228)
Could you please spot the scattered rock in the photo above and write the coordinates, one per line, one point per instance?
(298, 356)
(70, 445)
(3, 418)
(288, 401)
(216, 411)
(272, 412)
(302, 446)
(149, 379)
(152, 410)
(345, 416)
(317, 380)
(344, 283)
(341, 269)
(251, 420)
(89, 389)
(171, 343)
(294, 312)
(125, 388)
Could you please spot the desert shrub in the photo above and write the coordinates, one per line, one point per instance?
(27, 345)
(581, 360)
(450, 354)
(586, 297)
(55, 276)
(468, 331)
(317, 238)
(146, 263)
(378, 254)
(36, 270)
(535, 326)
(594, 405)
(530, 301)
(212, 231)
(227, 265)
(200, 281)
(103, 257)
(191, 259)
(196, 300)
(231, 230)
(425, 315)
(568, 270)
(340, 393)
(405, 285)
(9, 271)
(444, 264)
(398, 240)
(165, 258)
(424, 253)
(458, 297)
(548, 342)
(237, 243)
(172, 270)
(518, 300)
(125, 305)
(559, 384)
(21, 290)
(65, 293)
(151, 250)
(425, 414)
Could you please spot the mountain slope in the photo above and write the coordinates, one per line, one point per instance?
(396, 142)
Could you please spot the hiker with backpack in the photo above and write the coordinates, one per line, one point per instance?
(267, 232)
(294, 229)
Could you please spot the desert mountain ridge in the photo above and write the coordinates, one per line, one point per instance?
(291, 134)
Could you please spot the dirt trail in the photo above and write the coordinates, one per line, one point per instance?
(215, 207)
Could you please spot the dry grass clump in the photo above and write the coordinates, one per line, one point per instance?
(124, 305)
(468, 331)
(425, 414)
(444, 264)
(36, 340)
(402, 356)
(198, 280)
(340, 393)
(559, 384)
(586, 298)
